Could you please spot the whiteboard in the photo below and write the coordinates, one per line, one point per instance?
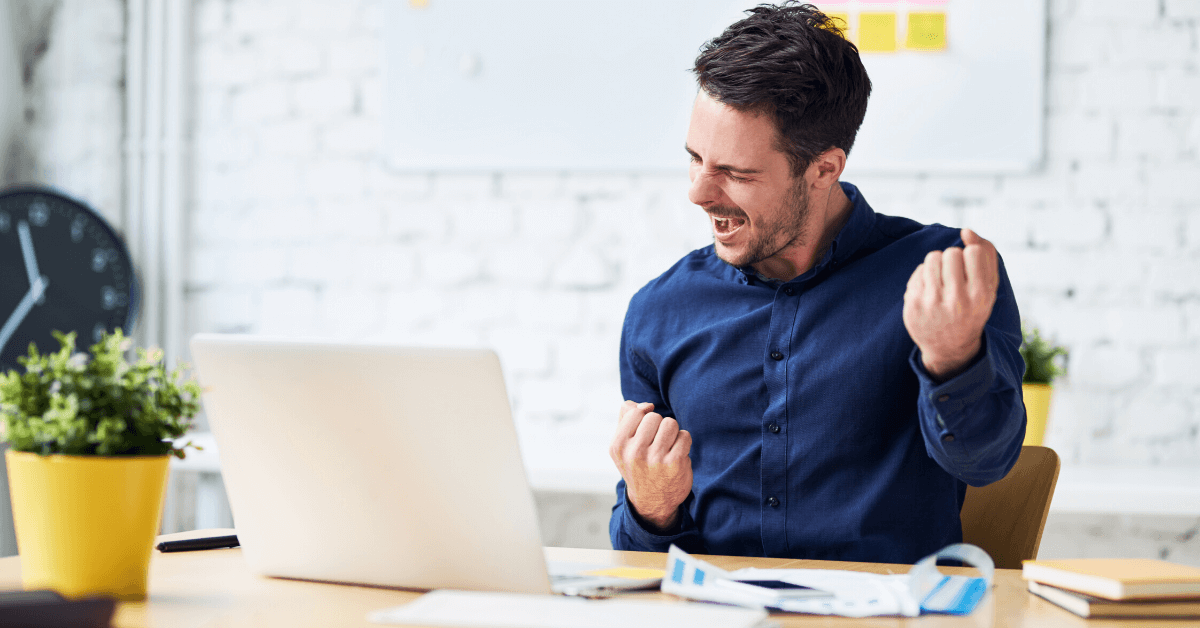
(584, 85)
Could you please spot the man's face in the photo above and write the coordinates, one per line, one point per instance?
(756, 206)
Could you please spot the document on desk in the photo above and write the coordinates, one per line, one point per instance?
(852, 593)
(515, 610)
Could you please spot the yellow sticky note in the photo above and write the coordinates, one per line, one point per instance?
(841, 21)
(418, 4)
(636, 573)
(877, 32)
(926, 31)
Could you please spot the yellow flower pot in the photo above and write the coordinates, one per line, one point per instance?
(1037, 408)
(86, 524)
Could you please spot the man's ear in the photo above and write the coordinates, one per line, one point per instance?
(826, 169)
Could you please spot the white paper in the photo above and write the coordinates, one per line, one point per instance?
(514, 610)
(855, 594)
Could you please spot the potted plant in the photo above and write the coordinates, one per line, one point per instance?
(1044, 361)
(90, 438)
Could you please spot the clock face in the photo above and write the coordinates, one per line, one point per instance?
(61, 268)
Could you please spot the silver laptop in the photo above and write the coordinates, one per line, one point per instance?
(374, 464)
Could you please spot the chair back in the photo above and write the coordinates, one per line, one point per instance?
(1006, 518)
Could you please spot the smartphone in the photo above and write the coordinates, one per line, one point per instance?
(779, 589)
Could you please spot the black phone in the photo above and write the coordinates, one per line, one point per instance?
(48, 609)
(787, 589)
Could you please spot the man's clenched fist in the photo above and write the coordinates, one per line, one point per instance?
(948, 302)
(651, 452)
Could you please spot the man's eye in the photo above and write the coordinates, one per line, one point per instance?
(735, 177)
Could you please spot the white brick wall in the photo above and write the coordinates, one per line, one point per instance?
(71, 109)
(298, 227)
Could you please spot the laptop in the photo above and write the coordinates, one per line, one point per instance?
(378, 464)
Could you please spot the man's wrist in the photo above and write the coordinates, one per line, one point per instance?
(661, 524)
(944, 369)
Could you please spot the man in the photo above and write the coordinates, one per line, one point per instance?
(823, 381)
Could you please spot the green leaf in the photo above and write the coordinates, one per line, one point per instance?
(97, 403)
(1044, 361)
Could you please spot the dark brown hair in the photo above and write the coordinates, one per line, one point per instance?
(792, 63)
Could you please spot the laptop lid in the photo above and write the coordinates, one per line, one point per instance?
(372, 464)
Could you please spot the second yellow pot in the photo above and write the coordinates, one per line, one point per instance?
(86, 524)
(1037, 409)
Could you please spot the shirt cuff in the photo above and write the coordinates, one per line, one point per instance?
(950, 397)
(645, 538)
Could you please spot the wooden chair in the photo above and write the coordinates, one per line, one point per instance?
(1006, 518)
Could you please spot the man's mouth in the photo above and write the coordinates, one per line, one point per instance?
(724, 226)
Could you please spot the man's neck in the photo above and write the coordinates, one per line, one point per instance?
(828, 211)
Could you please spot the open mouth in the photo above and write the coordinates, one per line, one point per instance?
(725, 226)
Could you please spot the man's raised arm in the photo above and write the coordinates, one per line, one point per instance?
(960, 312)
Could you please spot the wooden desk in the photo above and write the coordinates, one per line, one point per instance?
(214, 589)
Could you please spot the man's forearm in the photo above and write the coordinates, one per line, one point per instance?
(973, 423)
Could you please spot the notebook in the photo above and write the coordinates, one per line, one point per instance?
(1090, 606)
(379, 464)
(1117, 578)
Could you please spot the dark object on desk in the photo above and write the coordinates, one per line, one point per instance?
(787, 590)
(205, 543)
(47, 609)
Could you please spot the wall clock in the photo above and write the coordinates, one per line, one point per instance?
(62, 267)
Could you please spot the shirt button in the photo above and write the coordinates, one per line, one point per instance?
(777, 356)
(772, 502)
(789, 291)
(944, 398)
(774, 428)
(948, 438)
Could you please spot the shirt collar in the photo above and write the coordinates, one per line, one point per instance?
(855, 231)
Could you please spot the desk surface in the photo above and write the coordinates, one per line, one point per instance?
(213, 588)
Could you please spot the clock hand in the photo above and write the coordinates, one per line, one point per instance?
(27, 302)
(31, 267)
(27, 250)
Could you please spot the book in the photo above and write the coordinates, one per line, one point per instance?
(1117, 578)
(1086, 605)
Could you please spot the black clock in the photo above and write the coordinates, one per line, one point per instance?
(61, 268)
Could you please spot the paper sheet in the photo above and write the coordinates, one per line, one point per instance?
(923, 589)
(926, 31)
(877, 32)
(842, 21)
(513, 610)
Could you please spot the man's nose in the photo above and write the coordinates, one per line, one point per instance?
(703, 191)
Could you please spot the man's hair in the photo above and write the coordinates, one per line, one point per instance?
(792, 63)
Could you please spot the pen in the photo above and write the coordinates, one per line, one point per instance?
(208, 542)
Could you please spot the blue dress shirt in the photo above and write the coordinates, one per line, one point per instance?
(816, 431)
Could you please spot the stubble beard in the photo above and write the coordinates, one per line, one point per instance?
(771, 238)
